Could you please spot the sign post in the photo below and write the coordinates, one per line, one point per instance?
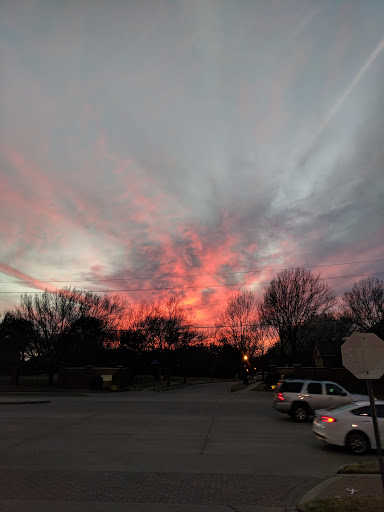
(363, 355)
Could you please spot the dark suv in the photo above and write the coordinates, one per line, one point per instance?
(300, 398)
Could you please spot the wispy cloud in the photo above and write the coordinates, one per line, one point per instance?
(161, 139)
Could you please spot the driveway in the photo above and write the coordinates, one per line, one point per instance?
(193, 446)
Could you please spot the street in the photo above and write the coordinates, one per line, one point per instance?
(197, 445)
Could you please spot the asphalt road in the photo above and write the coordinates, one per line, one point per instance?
(191, 447)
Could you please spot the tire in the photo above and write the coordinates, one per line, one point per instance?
(357, 443)
(300, 413)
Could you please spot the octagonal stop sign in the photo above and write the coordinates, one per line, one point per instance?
(363, 355)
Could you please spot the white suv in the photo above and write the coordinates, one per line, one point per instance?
(300, 398)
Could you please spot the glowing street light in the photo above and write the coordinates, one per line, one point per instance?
(245, 359)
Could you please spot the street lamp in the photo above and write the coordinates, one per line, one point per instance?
(245, 358)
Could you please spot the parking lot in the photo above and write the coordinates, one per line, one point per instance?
(196, 445)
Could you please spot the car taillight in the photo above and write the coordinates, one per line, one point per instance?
(328, 419)
(280, 397)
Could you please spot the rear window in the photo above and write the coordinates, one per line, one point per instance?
(366, 411)
(290, 387)
(362, 411)
(315, 388)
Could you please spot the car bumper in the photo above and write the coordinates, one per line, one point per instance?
(324, 433)
(282, 407)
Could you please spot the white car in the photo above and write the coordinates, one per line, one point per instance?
(350, 425)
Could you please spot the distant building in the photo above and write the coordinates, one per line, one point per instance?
(327, 354)
(92, 377)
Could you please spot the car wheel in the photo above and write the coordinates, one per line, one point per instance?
(300, 412)
(358, 443)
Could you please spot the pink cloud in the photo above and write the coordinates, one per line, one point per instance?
(26, 279)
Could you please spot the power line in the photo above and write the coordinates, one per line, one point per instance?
(167, 288)
(316, 320)
(196, 275)
(355, 275)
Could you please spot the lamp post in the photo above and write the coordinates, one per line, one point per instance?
(155, 365)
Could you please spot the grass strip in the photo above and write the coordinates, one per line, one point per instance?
(361, 468)
(352, 504)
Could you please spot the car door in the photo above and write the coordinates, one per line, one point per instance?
(315, 395)
(365, 422)
(380, 421)
(336, 395)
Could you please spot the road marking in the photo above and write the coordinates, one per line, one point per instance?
(207, 436)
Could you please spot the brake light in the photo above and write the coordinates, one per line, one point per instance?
(280, 397)
(328, 419)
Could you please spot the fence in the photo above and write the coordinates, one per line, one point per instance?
(29, 380)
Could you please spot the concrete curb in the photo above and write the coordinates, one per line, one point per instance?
(181, 385)
(315, 491)
(78, 506)
(26, 402)
(33, 394)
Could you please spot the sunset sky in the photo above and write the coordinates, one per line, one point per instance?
(189, 147)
